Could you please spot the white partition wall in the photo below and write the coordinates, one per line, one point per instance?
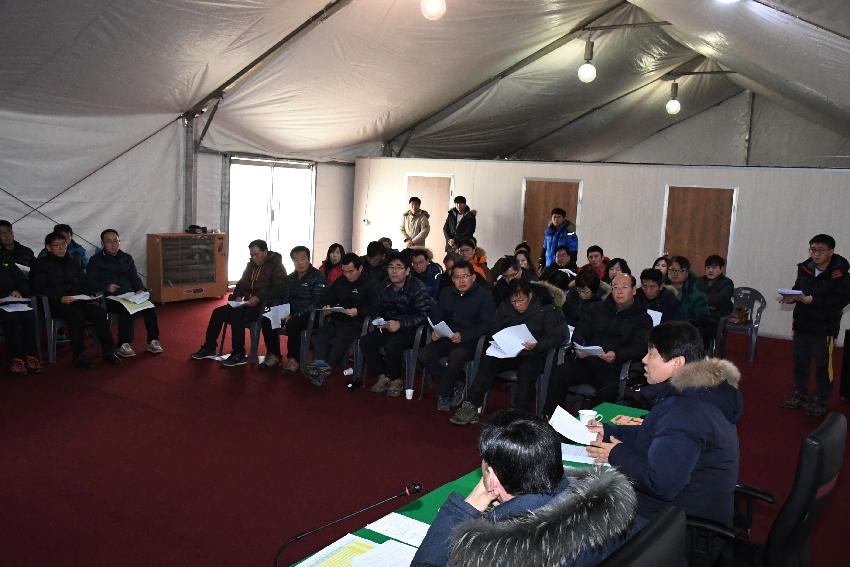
(777, 211)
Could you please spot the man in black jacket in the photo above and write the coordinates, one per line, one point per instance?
(113, 272)
(468, 309)
(718, 290)
(654, 296)
(620, 326)
(459, 225)
(357, 296)
(18, 326)
(824, 284)
(508, 269)
(12, 251)
(60, 277)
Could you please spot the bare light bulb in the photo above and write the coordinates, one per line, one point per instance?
(673, 106)
(433, 9)
(587, 72)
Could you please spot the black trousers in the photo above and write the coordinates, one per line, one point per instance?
(458, 355)
(591, 370)
(392, 363)
(331, 341)
(238, 317)
(292, 329)
(809, 347)
(19, 333)
(527, 367)
(75, 316)
(125, 322)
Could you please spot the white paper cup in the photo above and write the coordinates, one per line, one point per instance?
(585, 415)
(408, 393)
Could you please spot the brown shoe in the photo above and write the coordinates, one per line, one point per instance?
(270, 361)
(395, 388)
(381, 385)
(291, 366)
(18, 368)
(33, 365)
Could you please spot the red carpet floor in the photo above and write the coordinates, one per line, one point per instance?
(171, 462)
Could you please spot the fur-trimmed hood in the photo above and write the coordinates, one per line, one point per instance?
(468, 211)
(706, 373)
(557, 294)
(596, 506)
(421, 213)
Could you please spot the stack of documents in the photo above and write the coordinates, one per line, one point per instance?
(441, 329)
(133, 302)
(276, 313)
(11, 304)
(507, 343)
(589, 350)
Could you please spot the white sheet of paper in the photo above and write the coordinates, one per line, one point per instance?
(494, 351)
(589, 350)
(341, 552)
(564, 423)
(576, 454)
(510, 339)
(568, 272)
(336, 309)
(391, 553)
(441, 328)
(783, 291)
(570, 330)
(134, 297)
(24, 269)
(83, 297)
(656, 316)
(13, 307)
(11, 299)
(236, 303)
(379, 321)
(276, 313)
(400, 527)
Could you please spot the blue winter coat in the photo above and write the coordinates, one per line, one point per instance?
(430, 278)
(686, 449)
(554, 237)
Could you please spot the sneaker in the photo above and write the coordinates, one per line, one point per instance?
(155, 347)
(291, 366)
(444, 404)
(817, 406)
(319, 377)
(395, 388)
(18, 368)
(203, 353)
(111, 358)
(270, 361)
(465, 414)
(33, 365)
(458, 394)
(381, 385)
(125, 350)
(80, 361)
(796, 400)
(235, 359)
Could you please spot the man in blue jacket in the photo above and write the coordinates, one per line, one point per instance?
(686, 449)
(560, 232)
(426, 270)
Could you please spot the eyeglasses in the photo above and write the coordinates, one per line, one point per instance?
(463, 277)
(814, 250)
(679, 271)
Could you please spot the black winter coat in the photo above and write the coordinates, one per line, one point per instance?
(13, 279)
(56, 277)
(105, 269)
(544, 321)
(411, 305)
(471, 314)
(718, 292)
(361, 295)
(307, 292)
(574, 305)
(459, 231)
(665, 303)
(830, 291)
(501, 287)
(624, 332)
(19, 254)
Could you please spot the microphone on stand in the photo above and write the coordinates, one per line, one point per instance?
(409, 490)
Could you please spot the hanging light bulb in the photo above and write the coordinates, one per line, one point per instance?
(433, 9)
(673, 106)
(587, 72)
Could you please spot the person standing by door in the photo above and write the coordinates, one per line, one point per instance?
(459, 225)
(414, 224)
(560, 232)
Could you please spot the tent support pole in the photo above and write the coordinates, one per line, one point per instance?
(750, 101)
(208, 123)
(225, 193)
(190, 178)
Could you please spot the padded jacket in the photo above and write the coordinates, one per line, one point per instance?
(55, 277)
(410, 305)
(830, 291)
(266, 281)
(574, 305)
(459, 232)
(471, 314)
(105, 269)
(13, 279)
(544, 321)
(718, 292)
(556, 236)
(19, 254)
(415, 227)
(361, 294)
(665, 303)
(625, 332)
(693, 304)
(686, 449)
(307, 292)
(75, 249)
(430, 278)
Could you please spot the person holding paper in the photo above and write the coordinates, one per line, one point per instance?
(545, 321)
(824, 283)
(654, 295)
(587, 291)
(18, 326)
(358, 296)
(686, 450)
(527, 509)
(620, 326)
(426, 270)
(12, 251)
(60, 277)
(112, 272)
(468, 310)
(262, 280)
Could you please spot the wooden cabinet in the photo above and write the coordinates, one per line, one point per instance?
(186, 266)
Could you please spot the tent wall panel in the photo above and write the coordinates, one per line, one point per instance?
(622, 210)
(334, 202)
(209, 190)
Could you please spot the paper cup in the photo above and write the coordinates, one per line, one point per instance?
(408, 393)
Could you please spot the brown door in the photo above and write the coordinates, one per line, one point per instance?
(698, 221)
(435, 193)
(540, 198)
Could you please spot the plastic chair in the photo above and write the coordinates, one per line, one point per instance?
(469, 369)
(585, 392)
(661, 542)
(255, 330)
(542, 381)
(788, 542)
(410, 356)
(52, 326)
(744, 298)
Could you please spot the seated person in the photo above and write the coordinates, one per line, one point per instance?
(662, 263)
(583, 294)
(693, 305)
(387, 243)
(563, 261)
(113, 272)
(75, 250)
(597, 262)
(508, 269)
(60, 277)
(331, 266)
(18, 326)
(525, 262)
(404, 304)
(616, 266)
(653, 294)
(588, 513)
(12, 251)
(305, 289)
(686, 449)
(359, 296)
(468, 309)
(546, 324)
(718, 290)
(373, 263)
(426, 270)
(620, 326)
(469, 251)
(263, 279)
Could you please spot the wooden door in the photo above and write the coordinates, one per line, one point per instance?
(436, 195)
(698, 221)
(541, 196)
